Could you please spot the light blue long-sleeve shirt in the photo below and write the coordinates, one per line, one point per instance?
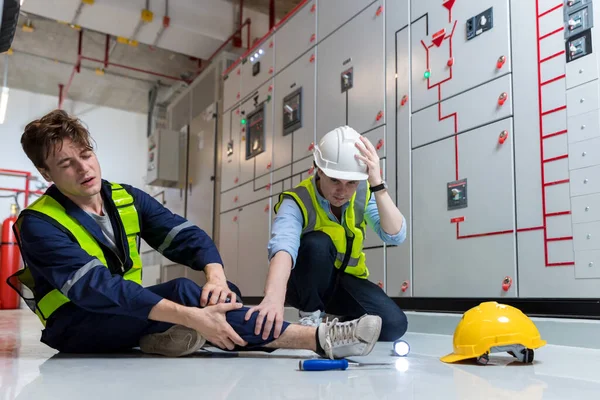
(287, 226)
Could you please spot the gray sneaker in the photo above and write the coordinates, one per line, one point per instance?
(352, 338)
(310, 318)
(176, 341)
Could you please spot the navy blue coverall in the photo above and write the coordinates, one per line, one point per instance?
(108, 313)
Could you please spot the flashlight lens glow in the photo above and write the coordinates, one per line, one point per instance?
(401, 348)
(402, 364)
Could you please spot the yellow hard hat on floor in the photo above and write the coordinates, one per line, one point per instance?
(493, 327)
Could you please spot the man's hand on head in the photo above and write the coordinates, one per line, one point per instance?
(216, 290)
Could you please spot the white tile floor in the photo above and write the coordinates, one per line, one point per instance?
(30, 370)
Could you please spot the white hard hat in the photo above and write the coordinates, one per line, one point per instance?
(334, 155)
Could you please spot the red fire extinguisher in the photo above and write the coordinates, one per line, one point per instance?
(10, 261)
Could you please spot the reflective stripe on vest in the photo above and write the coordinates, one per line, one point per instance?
(50, 207)
(316, 219)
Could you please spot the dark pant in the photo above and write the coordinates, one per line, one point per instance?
(315, 284)
(96, 332)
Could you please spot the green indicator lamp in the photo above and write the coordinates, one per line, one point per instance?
(243, 121)
(427, 74)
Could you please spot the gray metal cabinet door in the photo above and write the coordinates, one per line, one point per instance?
(334, 13)
(254, 166)
(398, 271)
(201, 185)
(439, 43)
(376, 264)
(175, 197)
(262, 56)
(296, 81)
(252, 248)
(230, 150)
(357, 52)
(228, 244)
(470, 258)
(297, 35)
(461, 113)
(232, 88)
(398, 160)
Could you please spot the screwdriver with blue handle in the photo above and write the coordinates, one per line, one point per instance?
(330, 365)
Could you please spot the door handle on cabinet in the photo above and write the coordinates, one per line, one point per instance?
(404, 286)
(506, 283)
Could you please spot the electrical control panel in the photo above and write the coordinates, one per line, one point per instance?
(480, 23)
(485, 115)
(292, 111)
(457, 194)
(163, 158)
(579, 46)
(578, 20)
(572, 4)
(255, 132)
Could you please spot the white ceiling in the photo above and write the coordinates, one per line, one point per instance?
(197, 27)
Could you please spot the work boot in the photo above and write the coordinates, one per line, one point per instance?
(352, 338)
(176, 341)
(310, 318)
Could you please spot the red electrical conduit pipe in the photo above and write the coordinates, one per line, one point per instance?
(247, 23)
(63, 90)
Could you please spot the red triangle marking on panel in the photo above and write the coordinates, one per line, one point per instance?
(438, 37)
(449, 4)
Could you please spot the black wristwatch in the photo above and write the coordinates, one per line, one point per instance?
(379, 187)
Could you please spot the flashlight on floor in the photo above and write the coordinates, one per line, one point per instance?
(401, 348)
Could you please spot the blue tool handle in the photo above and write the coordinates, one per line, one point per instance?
(323, 365)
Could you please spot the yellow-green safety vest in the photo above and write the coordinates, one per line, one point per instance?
(50, 302)
(348, 238)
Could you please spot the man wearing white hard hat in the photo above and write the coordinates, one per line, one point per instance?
(316, 258)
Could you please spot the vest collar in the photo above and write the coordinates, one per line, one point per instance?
(73, 210)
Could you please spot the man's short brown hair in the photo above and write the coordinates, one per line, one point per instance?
(47, 134)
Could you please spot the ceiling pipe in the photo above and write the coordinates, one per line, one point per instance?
(106, 50)
(77, 14)
(76, 69)
(146, 17)
(91, 69)
(107, 63)
(271, 14)
(237, 41)
(134, 69)
(166, 23)
(247, 23)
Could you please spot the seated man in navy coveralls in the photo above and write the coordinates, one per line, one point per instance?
(79, 243)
